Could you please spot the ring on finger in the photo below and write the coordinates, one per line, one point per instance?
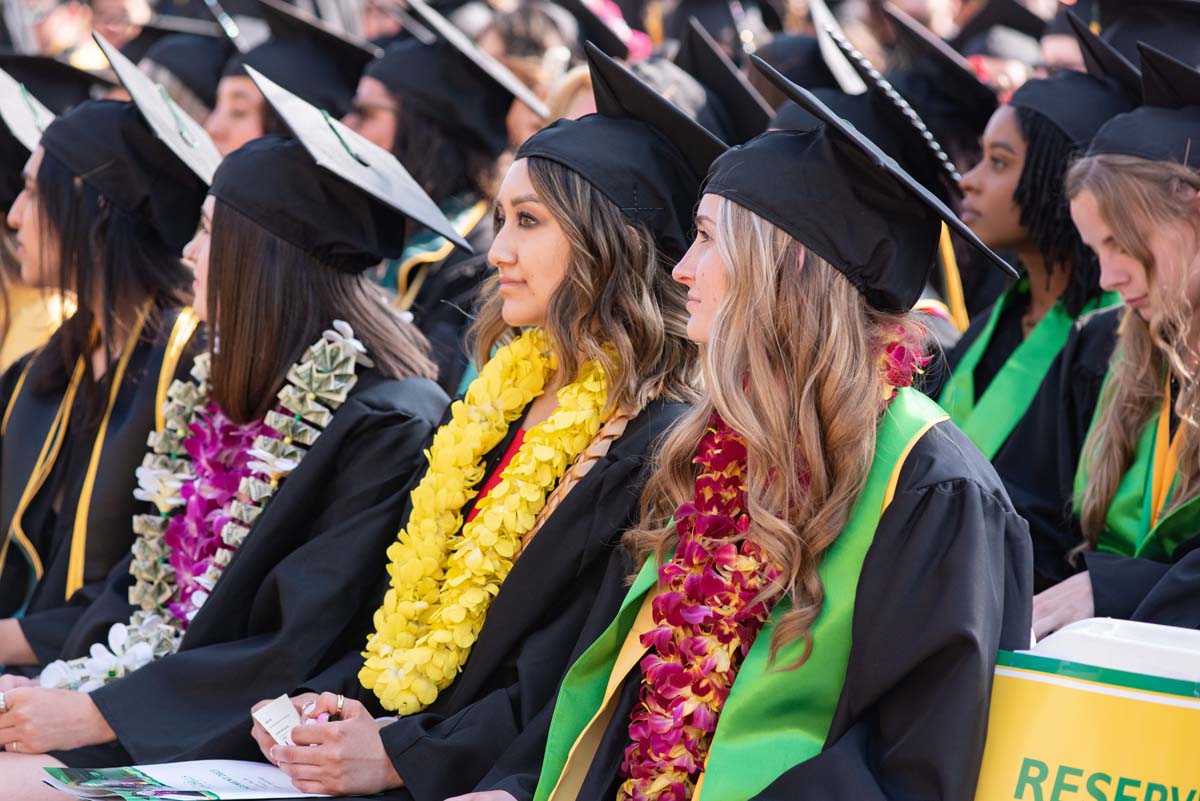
(13, 746)
(3, 704)
(341, 702)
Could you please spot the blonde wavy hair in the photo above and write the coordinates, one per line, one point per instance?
(791, 363)
(1136, 196)
(617, 303)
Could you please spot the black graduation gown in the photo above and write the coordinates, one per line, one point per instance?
(49, 520)
(293, 598)
(562, 593)
(945, 584)
(1040, 460)
(445, 304)
(1007, 337)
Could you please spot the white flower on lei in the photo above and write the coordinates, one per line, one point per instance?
(268, 464)
(160, 487)
(124, 655)
(344, 334)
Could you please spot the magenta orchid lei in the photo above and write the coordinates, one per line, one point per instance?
(713, 601)
(221, 457)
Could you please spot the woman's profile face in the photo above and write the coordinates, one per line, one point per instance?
(703, 272)
(375, 113)
(1172, 248)
(989, 207)
(530, 250)
(38, 257)
(238, 116)
(195, 253)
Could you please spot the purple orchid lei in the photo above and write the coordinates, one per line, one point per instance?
(220, 453)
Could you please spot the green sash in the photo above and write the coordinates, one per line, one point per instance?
(773, 719)
(991, 421)
(1127, 526)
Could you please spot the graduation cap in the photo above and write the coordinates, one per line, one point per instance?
(799, 58)
(1167, 126)
(999, 13)
(308, 57)
(944, 82)
(456, 82)
(1078, 104)
(1102, 59)
(735, 25)
(743, 111)
(329, 191)
(32, 90)
(836, 192)
(826, 26)
(594, 29)
(639, 151)
(198, 62)
(160, 27)
(684, 92)
(171, 124)
(1172, 26)
(908, 139)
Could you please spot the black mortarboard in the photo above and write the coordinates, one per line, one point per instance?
(744, 112)
(1102, 59)
(906, 137)
(23, 119)
(639, 151)
(1172, 26)
(686, 93)
(329, 191)
(55, 83)
(179, 132)
(595, 30)
(1167, 126)
(938, 81)
(999, 13)
(109, 146)
(1077, 103)
(843, 197)
(456, 82)
(198, 62)
(799, 58)
(736, 26)
(160, 27)
(308, 57)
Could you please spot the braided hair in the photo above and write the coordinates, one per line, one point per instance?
(1046, 209)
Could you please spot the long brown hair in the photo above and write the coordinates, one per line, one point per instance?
(617, 293)
(268, 300)
(1136, 196)
(790, 364)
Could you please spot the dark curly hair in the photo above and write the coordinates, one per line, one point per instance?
(1046, 209)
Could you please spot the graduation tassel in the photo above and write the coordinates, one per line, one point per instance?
(955, 300)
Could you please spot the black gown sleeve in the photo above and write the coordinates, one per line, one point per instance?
(946, 583)
(275, 622)
(502, 733)
(1174, 600)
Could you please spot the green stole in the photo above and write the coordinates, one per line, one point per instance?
(1129, 527)
(991, 421)
(773, 719)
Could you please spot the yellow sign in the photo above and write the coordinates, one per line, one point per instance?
(1062, 731)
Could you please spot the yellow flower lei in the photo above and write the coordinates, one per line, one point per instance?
(443, 584)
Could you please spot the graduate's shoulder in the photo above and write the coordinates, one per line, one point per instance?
(1092, 340)
(414, 397)
(644, 432)
(945, 459)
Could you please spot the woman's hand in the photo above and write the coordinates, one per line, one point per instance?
(10, 682)
(40, 720)
(265, 741)
(341, 757)
(1065, 603)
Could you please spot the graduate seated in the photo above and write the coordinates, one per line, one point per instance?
(440, 109)
(102, 210)
(509, 563)
(1126, 415)
(828, 566)
(279, 475)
